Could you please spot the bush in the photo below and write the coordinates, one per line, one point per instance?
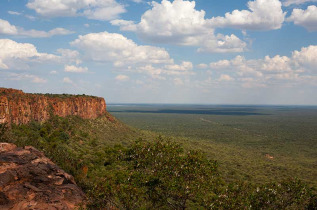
(3, 132)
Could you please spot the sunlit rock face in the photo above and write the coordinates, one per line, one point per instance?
(17, 107)
(29, 180)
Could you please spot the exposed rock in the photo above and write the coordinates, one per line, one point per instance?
(18, 107)
(29, 180)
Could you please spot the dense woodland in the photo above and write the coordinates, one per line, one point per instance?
(118, 166)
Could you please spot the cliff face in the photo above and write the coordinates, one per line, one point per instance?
(18, 107)
(29, 180)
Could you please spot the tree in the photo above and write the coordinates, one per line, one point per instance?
(3, 132)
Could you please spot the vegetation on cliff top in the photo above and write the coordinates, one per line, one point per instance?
(151, 174)
(12, 93)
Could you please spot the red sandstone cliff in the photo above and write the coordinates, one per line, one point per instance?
(18, 107)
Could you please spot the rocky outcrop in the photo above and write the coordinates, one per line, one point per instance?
(29, 180)
(18, 107)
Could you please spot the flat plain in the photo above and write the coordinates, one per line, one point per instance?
(250, 143)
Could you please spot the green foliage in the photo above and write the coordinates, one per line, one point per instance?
(157, 174)
(3, 132)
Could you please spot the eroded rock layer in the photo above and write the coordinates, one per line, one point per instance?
(29, 180)
(18, 107)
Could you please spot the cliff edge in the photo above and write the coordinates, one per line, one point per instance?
(17, 107)
(29, 180)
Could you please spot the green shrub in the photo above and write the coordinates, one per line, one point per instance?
(3, 132)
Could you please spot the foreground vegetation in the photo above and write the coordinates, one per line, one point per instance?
(116, 171)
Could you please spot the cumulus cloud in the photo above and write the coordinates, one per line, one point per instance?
(126, 55)
(28, 77)
(69, 56)
(225, 77)
(75, 69)
(223, 44)
(113, 47)
(7, 29)
(290, 2)
(122, 78)
(262, 15)
(202, 66)
(179, 23)
(92, 9)
(305, 18)
(297, 67)
(67, 80)
(18, 55)
(185, 66)
(306, 57)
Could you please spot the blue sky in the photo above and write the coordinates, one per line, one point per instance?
(138, 51)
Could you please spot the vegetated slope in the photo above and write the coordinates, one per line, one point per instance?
(114, 171)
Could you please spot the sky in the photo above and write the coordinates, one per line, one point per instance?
(164, 51)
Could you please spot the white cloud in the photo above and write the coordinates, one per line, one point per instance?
(69, 56)
(306, 57)
(44, 34)
(179, 23)
(30, 17)
(75, 69)
(14, 13)
(277, 63)
(53, 72)
(7, 29)
(297, 68)
(125, 25)
(126, 55)
(92, 9)
(290, 2)
(67, 80)
(225, 78)
(18, 55)
(202, 66)
(223, 44)
(262, 15)
(122, 78)
(29, 77)
(112, 47)
(220, 64)
(185, 66)
(305, 18)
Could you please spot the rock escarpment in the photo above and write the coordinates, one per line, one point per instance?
(17, 107)
(29, 180)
